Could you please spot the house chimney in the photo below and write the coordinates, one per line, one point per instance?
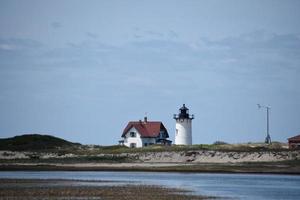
(145, 119)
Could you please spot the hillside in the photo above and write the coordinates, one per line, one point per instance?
(44, 152)
(34, 142)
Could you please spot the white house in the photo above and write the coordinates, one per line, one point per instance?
(144, 133)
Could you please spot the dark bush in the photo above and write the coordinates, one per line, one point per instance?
(219, 143)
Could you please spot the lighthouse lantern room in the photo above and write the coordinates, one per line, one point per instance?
(183, 135)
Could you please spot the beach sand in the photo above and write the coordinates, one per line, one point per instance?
(49, 189)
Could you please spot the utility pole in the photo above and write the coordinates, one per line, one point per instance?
(268, 138)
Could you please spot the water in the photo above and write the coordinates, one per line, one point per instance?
(237, 186)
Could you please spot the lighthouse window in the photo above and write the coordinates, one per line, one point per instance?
(132, 134)
(176, 131)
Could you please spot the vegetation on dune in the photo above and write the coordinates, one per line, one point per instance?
(51, 144)
(250, 147)
(71, 160)
(46, 152)
(34, 142)
(282, 167)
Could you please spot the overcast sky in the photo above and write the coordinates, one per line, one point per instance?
(81, 70)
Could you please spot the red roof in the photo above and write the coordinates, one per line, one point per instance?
(146, 129)
(297, 137)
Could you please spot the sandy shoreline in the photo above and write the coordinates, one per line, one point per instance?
(48, 189)
(190, 156)
(268, 167)
(267, 161)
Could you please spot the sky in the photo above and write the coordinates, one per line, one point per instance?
(81, 70)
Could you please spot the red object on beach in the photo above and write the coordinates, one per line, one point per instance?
(294, 142)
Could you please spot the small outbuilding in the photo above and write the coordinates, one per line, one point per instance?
(294, 142)
(144, 133)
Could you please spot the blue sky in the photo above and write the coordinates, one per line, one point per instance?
(82, 69)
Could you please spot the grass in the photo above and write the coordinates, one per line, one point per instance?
(78, 159)
(116, 149)
(50, 144)
(283, 167)
(118, 154)
(34, 142)
(253, 147)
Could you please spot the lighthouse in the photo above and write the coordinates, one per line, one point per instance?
(183, 134)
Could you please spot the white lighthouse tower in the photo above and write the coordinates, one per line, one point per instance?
(183, 135)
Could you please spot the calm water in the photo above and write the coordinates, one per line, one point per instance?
(238, 186)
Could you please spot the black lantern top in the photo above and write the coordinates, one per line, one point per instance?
(183, 113)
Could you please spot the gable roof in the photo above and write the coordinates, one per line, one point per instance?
(297, 137)
(146, 129)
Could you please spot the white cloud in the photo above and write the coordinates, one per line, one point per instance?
(7, 47)
(56, 25)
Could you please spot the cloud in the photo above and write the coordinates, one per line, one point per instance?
(137, 36)
(256, 55)
(259, 48)
(173, 34)
(56, 25)
(90, 46)
(18, 44)
(92, 35)
(147, 34)
(154, 33)
(7, 47)
(259, 40)
(248, 57)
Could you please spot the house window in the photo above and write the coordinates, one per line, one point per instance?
(132, 134)
(145, 144)
(132, 145)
